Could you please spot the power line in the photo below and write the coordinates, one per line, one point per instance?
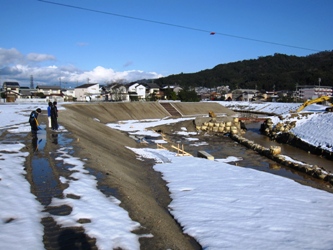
(176, 25)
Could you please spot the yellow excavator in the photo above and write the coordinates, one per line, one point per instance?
(319, 99)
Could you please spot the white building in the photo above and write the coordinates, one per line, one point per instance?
(69, 94)
(52, 93)
(87, 92)
(139, 89)
(49, 90)
(306, 92)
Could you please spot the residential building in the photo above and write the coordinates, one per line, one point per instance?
(137, 90)
(11, 91)
(87, 92)
(153, 90)
(244, 94)
(49, 90)
(175, 89)
(69, 94)
(117, 92)
(27, 93)
(305, 92)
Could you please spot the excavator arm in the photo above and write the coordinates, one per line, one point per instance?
(309, 102)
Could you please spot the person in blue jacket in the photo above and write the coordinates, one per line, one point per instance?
(34, 122)
(49, 108)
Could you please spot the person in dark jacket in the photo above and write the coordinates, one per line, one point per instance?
(34, 122)
(54, 116)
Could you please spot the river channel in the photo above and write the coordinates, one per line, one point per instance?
(298, 154)
(222, 146)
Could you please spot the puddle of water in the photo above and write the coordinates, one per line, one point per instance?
(38, 141)
(45, 183)
(61, 139)
(106, 190)
(45, 178)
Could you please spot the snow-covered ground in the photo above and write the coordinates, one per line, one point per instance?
(277, 108)
(21, 213)
(220, 205)
(315, 128)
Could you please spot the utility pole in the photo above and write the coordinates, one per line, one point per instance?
(31, 82)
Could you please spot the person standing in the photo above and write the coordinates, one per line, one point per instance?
(49, 114)
(34, 122)
(54, 116)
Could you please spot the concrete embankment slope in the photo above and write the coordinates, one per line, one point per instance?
(201, 108)
(112, 112)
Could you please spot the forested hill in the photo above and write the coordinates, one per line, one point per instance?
(280, 71)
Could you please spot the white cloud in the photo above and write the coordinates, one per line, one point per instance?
(18, 67)
(103, 75)
(13, 56)
(9, 56)
(40, 57)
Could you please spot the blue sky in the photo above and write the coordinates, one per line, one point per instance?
(122, 40)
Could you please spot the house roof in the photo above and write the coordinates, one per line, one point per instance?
(47, 87)
(13, 84)
(135, 85)
(87, 85)
(152, 85)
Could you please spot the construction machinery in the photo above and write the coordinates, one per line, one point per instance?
(317, 100)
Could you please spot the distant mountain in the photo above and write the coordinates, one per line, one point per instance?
(280, 71)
